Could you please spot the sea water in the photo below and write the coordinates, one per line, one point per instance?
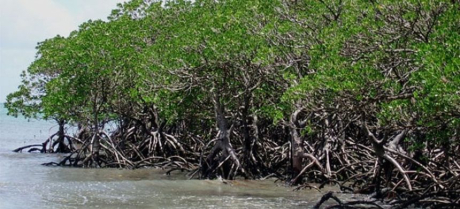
(25, 183)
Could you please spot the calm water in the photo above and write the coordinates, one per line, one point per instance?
(24, 183)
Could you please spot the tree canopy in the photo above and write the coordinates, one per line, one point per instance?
(355, 91)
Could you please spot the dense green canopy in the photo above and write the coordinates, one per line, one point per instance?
(328, 90)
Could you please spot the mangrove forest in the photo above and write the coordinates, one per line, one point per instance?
(362, 94)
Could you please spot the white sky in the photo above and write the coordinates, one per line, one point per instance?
(24, 23)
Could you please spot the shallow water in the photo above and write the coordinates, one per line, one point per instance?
(25, 183)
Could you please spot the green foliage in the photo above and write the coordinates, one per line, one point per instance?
(180, 57)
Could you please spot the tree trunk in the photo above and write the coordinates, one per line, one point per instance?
(296, 152)
(62, 147)
(296, 146)
(223, 146)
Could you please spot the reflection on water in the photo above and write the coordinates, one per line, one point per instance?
(25, 183)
